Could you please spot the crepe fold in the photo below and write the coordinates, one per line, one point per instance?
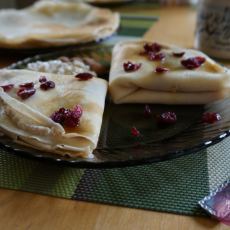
(50, 23)
(207, 83)
(28, 121)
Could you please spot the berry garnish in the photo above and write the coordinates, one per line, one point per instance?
(160, 69)
(193, 62)
(58, 116)
(153, 47)
(78, 110)
(178, 54)
(147, 110)
(47, 85)
(210, 117)
(156, 57)
(84, 76)
(42, 79)
(135, 131)
(27, 85)
(71, 118)
(167, 117)
(25, 93)
(128, 66)
(7, 87)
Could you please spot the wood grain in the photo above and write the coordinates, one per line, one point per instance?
(176, 26)
(23, 210)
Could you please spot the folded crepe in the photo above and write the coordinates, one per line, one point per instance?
(28, 122)
(49, 23)
(207, 83)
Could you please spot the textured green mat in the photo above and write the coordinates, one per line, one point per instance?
(135, 25)
(172, 186)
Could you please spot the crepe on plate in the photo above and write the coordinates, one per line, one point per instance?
(207, 83)
(28, 121)
(48, 23)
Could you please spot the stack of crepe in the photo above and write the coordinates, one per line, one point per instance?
(207, 83)
(27, 121)
(49, 23)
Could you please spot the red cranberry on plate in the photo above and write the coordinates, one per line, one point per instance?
(135, 131)
(167, 117)
(210, 117)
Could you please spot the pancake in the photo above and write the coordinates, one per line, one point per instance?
(28, 122)
(179, 85)
(48, 24)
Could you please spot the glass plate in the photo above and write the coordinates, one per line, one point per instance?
(117, 146)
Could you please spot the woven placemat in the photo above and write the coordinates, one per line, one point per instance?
(171, 186)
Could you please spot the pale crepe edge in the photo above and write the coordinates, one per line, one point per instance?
(40, 146)
(177, 98)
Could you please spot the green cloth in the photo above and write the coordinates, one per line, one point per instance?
(170, 186)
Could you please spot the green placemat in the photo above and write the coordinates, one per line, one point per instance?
(136, 24)
(171, 186)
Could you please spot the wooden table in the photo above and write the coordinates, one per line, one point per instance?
(23, 210)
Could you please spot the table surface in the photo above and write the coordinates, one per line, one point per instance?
(23, 210)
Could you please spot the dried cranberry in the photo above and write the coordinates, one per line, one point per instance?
(161, 69)
(78, 110)
(27, 85)
(135, 131)
(147, 110)
(62, 111)
(210, 117)
(153, 47)
(42, 79)
(128, 66)
(178, 54)
(167, 117)
(58, 116)
(84, 76)
(193, 62)
(7, 87)
(71, 118)
(47, 85)
(156, 57)
(25, 93)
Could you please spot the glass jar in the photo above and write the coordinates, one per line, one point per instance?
(213, 28)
